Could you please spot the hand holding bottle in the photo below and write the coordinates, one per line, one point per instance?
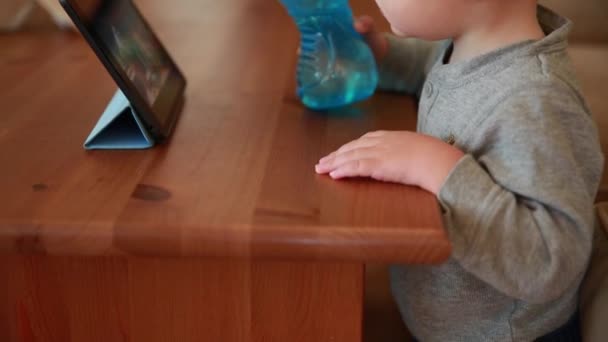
(377, 41)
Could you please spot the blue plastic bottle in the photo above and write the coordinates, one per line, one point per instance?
(336, 67)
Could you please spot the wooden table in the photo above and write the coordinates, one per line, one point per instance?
(225, 233)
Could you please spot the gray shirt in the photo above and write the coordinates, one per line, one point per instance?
(518, 209)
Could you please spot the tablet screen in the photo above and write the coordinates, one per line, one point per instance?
(134, 56)
(134, 47)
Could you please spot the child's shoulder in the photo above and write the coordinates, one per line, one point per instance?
(538, 87)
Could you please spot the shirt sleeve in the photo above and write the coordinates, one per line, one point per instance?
(407, 63)
(519, 212)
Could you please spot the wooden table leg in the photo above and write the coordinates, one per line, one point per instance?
(151, 299)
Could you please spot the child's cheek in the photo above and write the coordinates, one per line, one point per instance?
(399, 13)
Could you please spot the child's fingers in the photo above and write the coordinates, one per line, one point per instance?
(355, 168)
(377, 41)
(364, 24)
(368, 140)
(357, 144)
(341, 159)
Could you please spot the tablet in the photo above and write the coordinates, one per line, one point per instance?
(135, 57)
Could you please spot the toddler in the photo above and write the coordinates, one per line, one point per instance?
(506, 143)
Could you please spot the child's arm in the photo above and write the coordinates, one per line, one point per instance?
(519, 211)
(403, 63)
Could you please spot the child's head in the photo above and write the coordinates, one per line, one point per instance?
(441, 19)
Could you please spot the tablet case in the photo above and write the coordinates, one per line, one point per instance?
(119, 128)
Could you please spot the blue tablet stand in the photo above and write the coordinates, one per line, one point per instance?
(119, 128)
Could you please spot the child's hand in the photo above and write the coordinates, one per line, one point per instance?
(402, 157)
(376, 41)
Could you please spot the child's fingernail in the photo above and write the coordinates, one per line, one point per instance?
(325, 159)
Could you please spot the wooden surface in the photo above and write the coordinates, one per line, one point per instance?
(63, 299)
(90, 239)
(237, 177)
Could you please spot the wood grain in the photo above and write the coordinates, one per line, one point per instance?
(60, 299)
(236, 179)
(224, 233)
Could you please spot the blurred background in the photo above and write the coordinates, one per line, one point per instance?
(590, 16)
(19, 15)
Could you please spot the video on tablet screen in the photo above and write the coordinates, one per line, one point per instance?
(134, 47)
